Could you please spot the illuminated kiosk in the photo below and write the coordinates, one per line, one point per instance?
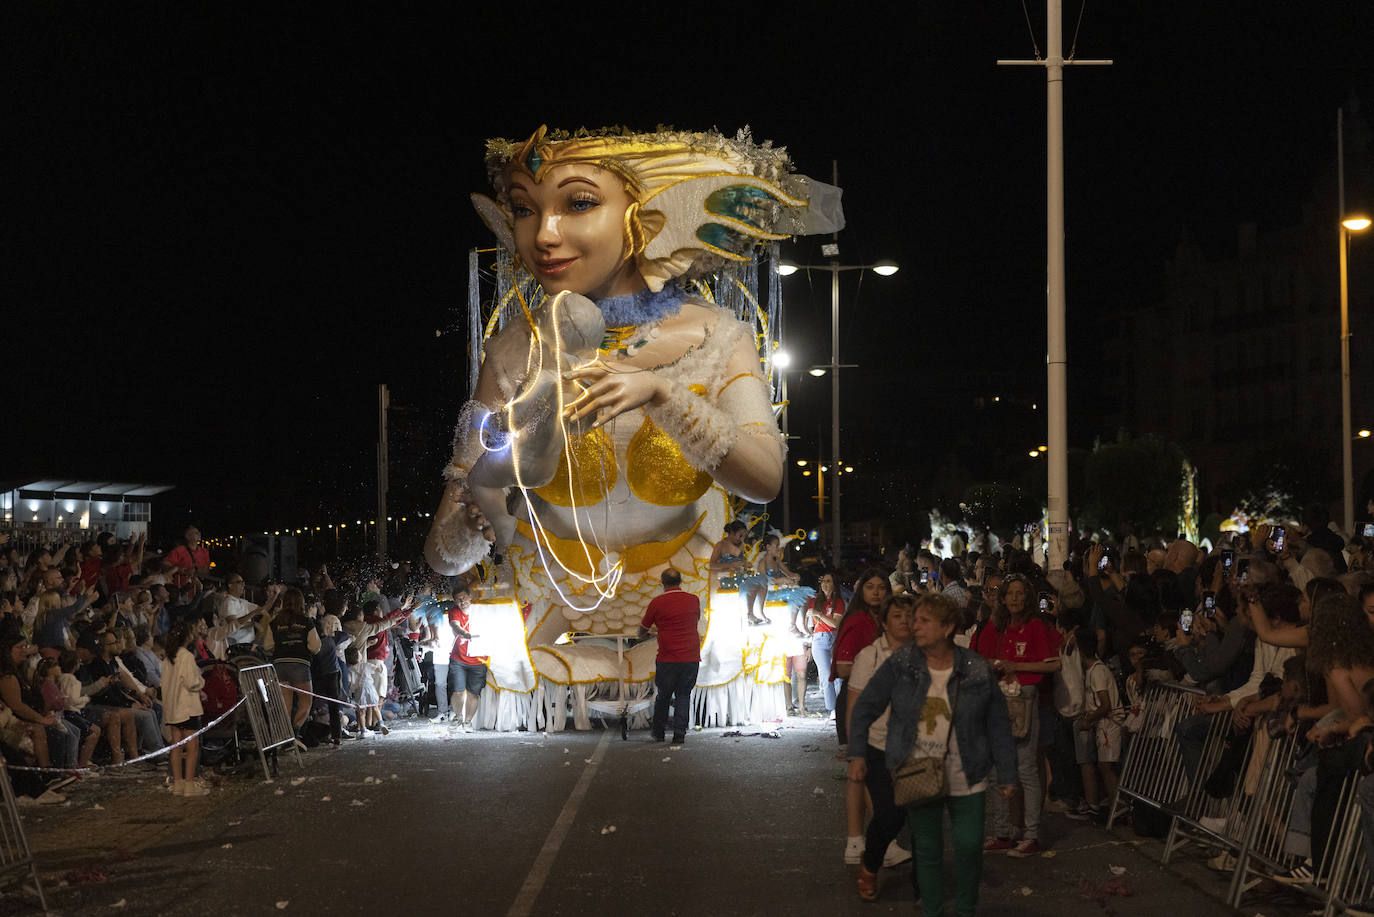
(586, 517)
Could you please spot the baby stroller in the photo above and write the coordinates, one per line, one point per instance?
(220, 745)
(410, 685)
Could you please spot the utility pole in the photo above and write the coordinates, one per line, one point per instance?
(1347, 457)
(837, 552)
(383, 470)
(1057, 359)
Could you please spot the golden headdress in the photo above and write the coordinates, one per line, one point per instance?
(700, 199)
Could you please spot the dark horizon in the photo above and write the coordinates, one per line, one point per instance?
(232, 226)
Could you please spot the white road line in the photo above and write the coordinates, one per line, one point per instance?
(543, 863)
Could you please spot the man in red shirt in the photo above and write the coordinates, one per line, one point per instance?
(677, 615)
(466, 672)
(189, 559)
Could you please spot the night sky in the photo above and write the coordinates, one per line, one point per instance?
(226, 224)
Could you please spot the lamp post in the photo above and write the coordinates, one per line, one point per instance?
(1350, 222)
(883, 269)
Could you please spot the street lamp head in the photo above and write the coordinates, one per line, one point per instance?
(1365, 434)
(848, 469)
(885, 268)
(781, 359)
(817, 371)
(1034, 453)
(1356, 222)
(801, 463)
(786, 268)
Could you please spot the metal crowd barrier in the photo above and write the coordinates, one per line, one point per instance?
(1345, 874)
(1216, 821)
(267, 715)
(16, 860)
(1265, 850)
(1153, 771)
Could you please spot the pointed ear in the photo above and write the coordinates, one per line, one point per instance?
(496, 217)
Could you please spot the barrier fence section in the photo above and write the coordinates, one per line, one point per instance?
(1209, 809)
(16, 859)
(1153, 771)
(267, 714)
(1345, 871)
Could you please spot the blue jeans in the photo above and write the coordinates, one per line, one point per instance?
(64, 743)
(1028, 774)
(441, 688)
(823, 650)
(674, 681)
(149, 732)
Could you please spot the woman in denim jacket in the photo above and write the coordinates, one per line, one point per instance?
(928, 684)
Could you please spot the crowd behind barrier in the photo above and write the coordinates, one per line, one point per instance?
(1220, 697)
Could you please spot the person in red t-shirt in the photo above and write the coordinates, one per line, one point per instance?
(677, 615)
(91, 564)
(824, 611)
(467, 673)
(1022, 649)
(191, 558)
(858, 628)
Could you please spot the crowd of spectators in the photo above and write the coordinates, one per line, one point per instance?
(104, 646)
(1273, 627)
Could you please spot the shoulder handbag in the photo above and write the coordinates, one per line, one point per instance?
(921, 778)
(1019, 712)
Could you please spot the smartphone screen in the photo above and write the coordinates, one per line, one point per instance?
(1209, 601)
(925, 576)
(1368, 530)
(1044, 601)
(1227, 559)
(1243, 571)
(1104, 563)
(1185, 622)
(1279, 535)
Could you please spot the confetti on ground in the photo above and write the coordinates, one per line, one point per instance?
(235, 824)
(279, 792)
(282, 905)
(120, 903)
(609, 829)
(297, 781)
(669, 758)
(395, 776)
(818, 792)
(226, 846)
(357, 802)
(1024, 891)
(372, 751)
(569, 763)
(324, 799)
(97, 808)
(1049, 855)
(586, 760)
(1117, 870)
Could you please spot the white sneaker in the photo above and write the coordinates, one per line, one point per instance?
(190, 789)
(853, 850)
(1215, 825)
(895, 856)
(439, 719)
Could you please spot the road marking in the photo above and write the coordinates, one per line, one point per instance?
(543, 863)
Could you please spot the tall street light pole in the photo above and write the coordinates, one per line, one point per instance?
(1056, 355)
(1350, 222)
(884, 269)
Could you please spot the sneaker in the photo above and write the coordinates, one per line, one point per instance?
(1298, 875)
(1059, 807)
(1214, 825)
(996, 844)
(383, 730)
(868, 885)
(1222, 862)
(190, 789)
(1084, 812)
(1027, 848)
(896, 855)
(853, 851)
(438, 719)
(678, 739)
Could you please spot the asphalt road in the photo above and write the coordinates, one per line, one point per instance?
(424, 822)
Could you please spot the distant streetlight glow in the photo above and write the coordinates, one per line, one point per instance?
(1364, 434)
(1035, 453)
(848, 469)
(817, 371)
(1356, 222)
(781, 359)
(786, 269)
(801, 463)
(1043, 448)
(885, 268)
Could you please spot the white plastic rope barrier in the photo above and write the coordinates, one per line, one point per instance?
(150, 755)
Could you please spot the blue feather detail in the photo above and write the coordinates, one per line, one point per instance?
(745, 203)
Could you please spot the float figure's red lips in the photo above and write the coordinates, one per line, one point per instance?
(554, 266)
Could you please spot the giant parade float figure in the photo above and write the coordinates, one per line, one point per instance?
(622, 412)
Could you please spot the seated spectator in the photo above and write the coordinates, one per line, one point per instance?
(55, 704)
(100, 661)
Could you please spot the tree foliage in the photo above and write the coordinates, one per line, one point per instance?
(1136, 481)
